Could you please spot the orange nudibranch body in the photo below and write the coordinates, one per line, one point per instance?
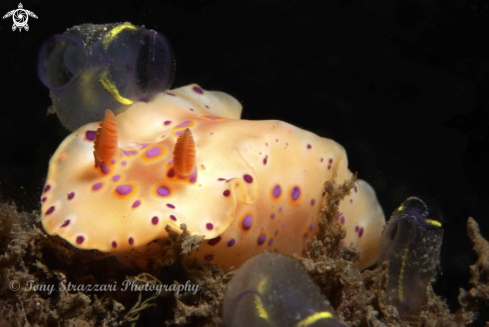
(186, 157)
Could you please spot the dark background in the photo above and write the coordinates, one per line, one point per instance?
(402, 85)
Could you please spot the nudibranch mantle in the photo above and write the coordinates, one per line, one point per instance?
(256, 185)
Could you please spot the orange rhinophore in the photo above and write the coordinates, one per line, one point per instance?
(184, 154)
(105, 144)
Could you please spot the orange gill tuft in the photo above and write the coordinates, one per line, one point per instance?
(105, 144)
(184, 154)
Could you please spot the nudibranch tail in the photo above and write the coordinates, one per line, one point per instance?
(184, 154)
(105, 143)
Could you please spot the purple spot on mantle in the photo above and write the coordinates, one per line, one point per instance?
(131, 240)
(214, 241)
(270, 242)
(104, 168)
(184, 124)
(276, 232)
(342, 220)
(313, 202)
(126, 153)
(306, 235)
(172, 217)
(44, 199)
(170, 94)
(221, 179)
(198, 89)
(265, 160)
(356, 190)
(272, 216)
(66, 223)
(169, 205)
(71, 195)
(167, 122)
(247, 222)
(178, 133)
(248, 179)
(96, 186)
(360, 232)
(155, 220)
(329, 167)
(163, 191)
(295, 193)
(231, 242)
(357, 228)
(277, 191)
(261, 239)
(112, 160)
(133, 152)
(114, 244)
(153, 152)
(193, 176)
(351, 201)
(209, 226)
(90, 135)
(115, 178)
(80, 239)
(330, 161)
(311, 227)
(123, 189)
(309, 146)
(170, 173)
(226, 193)
(209, 257)
(136, 204)
(123, 162)
(47, 188)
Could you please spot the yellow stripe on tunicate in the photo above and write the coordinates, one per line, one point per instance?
(433, 222)
(313, 318)
(110, 36)
(111, 88)
(401, 273)
(262, 284)
(400, 208)
(262, 313)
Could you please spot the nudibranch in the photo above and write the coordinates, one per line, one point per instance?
(272, 290)
(186, 157)
(411, 243)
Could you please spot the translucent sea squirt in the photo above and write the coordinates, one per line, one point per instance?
(411, 243)
(91, 68)
(272, 290)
